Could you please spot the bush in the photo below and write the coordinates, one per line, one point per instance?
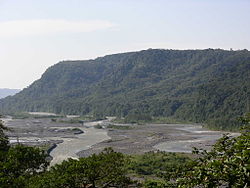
(227, 164)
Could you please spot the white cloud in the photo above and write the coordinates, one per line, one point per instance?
(45, 27)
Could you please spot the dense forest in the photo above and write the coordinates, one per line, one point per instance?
(209, 85)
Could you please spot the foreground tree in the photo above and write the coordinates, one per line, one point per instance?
(106, 169)
(18, 163)
(4, 142)
(227, 164)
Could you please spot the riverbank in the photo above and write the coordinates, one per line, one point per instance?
(138, 139)
(125, 138)
(63, 140)
(71, 146)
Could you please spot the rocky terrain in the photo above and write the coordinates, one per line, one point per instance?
(63, 140)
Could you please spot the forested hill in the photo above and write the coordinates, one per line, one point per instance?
(196, 85)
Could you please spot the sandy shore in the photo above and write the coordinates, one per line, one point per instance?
(70, 146)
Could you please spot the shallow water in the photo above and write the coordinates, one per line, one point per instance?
(195, 135)
(71, 146)
(36, 131)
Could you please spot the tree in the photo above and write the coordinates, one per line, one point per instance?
(228, 163)
(4, 142)
(106, 169)
(18, 163)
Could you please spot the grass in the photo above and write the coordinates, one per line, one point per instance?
(158, 168)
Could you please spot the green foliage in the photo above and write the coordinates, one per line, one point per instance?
(4, 142)
(19, 164)
(159, 168)
(106, 169)
(152, 183)
(137, 118)
(228, 163)
(187, 85)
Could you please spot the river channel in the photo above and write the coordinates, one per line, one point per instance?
(195, 136)
(135, 140)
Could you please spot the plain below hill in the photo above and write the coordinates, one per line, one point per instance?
(4, 92)
(209, 85)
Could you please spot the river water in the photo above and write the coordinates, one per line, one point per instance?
(70, 146)
(195, 136)
(37, 131)
(182, 136)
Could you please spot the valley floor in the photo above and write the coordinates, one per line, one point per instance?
(64, 140)
(138, 139)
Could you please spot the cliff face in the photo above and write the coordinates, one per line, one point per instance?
(188, 84)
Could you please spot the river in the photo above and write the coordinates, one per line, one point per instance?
(39, 131)
(195, 135)
(70, 146)
(180, 137)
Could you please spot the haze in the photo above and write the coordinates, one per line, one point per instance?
(37, 34)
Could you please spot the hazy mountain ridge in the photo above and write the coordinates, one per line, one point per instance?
(196, 85)
(4, 92)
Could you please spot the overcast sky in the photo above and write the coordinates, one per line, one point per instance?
(35, 34)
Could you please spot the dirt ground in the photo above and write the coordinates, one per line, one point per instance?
(125, 138)
(144, 138)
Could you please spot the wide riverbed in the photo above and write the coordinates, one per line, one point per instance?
(43, 131)
(195, 136)
(139, 139)
(70, 146)
(135, 139)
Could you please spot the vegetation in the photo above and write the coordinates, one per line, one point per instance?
(4, 142)
(106, 169)
(210, 86)
(228, 164)
(22, 166)
(160, 164)
(19, 163)
(159, 169)
(137, 118)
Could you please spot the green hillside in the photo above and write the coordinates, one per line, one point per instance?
(194, 85)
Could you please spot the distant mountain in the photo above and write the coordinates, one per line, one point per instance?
(195, 85)
(7, 92)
